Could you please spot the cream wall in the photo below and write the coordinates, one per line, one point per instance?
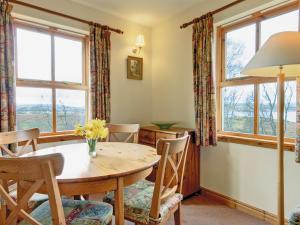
(245, 173)
(131, 99)
(249, 175)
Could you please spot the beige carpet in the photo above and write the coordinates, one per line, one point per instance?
(201, 211)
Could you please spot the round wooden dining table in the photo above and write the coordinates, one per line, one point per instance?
(116, 166)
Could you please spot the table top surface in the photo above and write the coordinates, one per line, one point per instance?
(114, 159)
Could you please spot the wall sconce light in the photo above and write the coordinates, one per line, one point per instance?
(139, 43)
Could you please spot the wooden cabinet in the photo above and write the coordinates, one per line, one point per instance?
(191, 181)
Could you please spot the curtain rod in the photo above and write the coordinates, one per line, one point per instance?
(63, 15)
(213, 12)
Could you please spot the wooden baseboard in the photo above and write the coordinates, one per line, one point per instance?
(235, 204)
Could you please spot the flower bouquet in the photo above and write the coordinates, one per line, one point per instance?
(92, 131)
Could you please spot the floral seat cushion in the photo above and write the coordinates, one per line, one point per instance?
(35, 200)
(294, 218)
(138, 199)
(76, 213)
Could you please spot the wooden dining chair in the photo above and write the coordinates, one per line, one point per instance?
(154, 203)
(23, 140)
(123, 132)
(40, 172)
(25, 137)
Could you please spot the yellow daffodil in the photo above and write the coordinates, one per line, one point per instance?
(94, 129)
(79, 130)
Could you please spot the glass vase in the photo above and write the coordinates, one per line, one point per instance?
(92, 147)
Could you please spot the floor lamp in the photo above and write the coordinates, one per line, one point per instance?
(278, 57)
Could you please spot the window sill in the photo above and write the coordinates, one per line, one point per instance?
(58, 138)
(288, 146)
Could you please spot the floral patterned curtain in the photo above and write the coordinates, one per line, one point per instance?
(204, 90)
(297, 149)
(100, 72)
(7, 77)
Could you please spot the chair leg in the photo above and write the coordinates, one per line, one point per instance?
(177, 215)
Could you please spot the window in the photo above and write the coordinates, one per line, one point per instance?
(268, 109)
(34, 108)
(70, 108)
(248, 106)
(238, 109)
(33, 47)
(239, 49)
(51, 79)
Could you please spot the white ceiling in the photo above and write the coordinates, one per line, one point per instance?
(145, 12)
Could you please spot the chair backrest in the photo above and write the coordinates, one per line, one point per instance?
(173, 158)
(123, 132)
(28, 137)
(40, 170)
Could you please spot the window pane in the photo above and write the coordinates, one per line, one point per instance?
(239, 49)
(68, 60)
(285, 22)
(70, 109)
(268, 109)
(34, 108)
(238, 109)
(33, 55)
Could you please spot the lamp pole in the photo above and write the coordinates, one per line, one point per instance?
(280, 146)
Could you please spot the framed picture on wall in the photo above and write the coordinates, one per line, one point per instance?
(134, 68)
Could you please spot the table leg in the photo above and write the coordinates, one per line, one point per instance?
(3, 206)
(20, 193)
(119, 202)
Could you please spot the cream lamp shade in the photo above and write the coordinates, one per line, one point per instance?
(140, 41)
(282, 50)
